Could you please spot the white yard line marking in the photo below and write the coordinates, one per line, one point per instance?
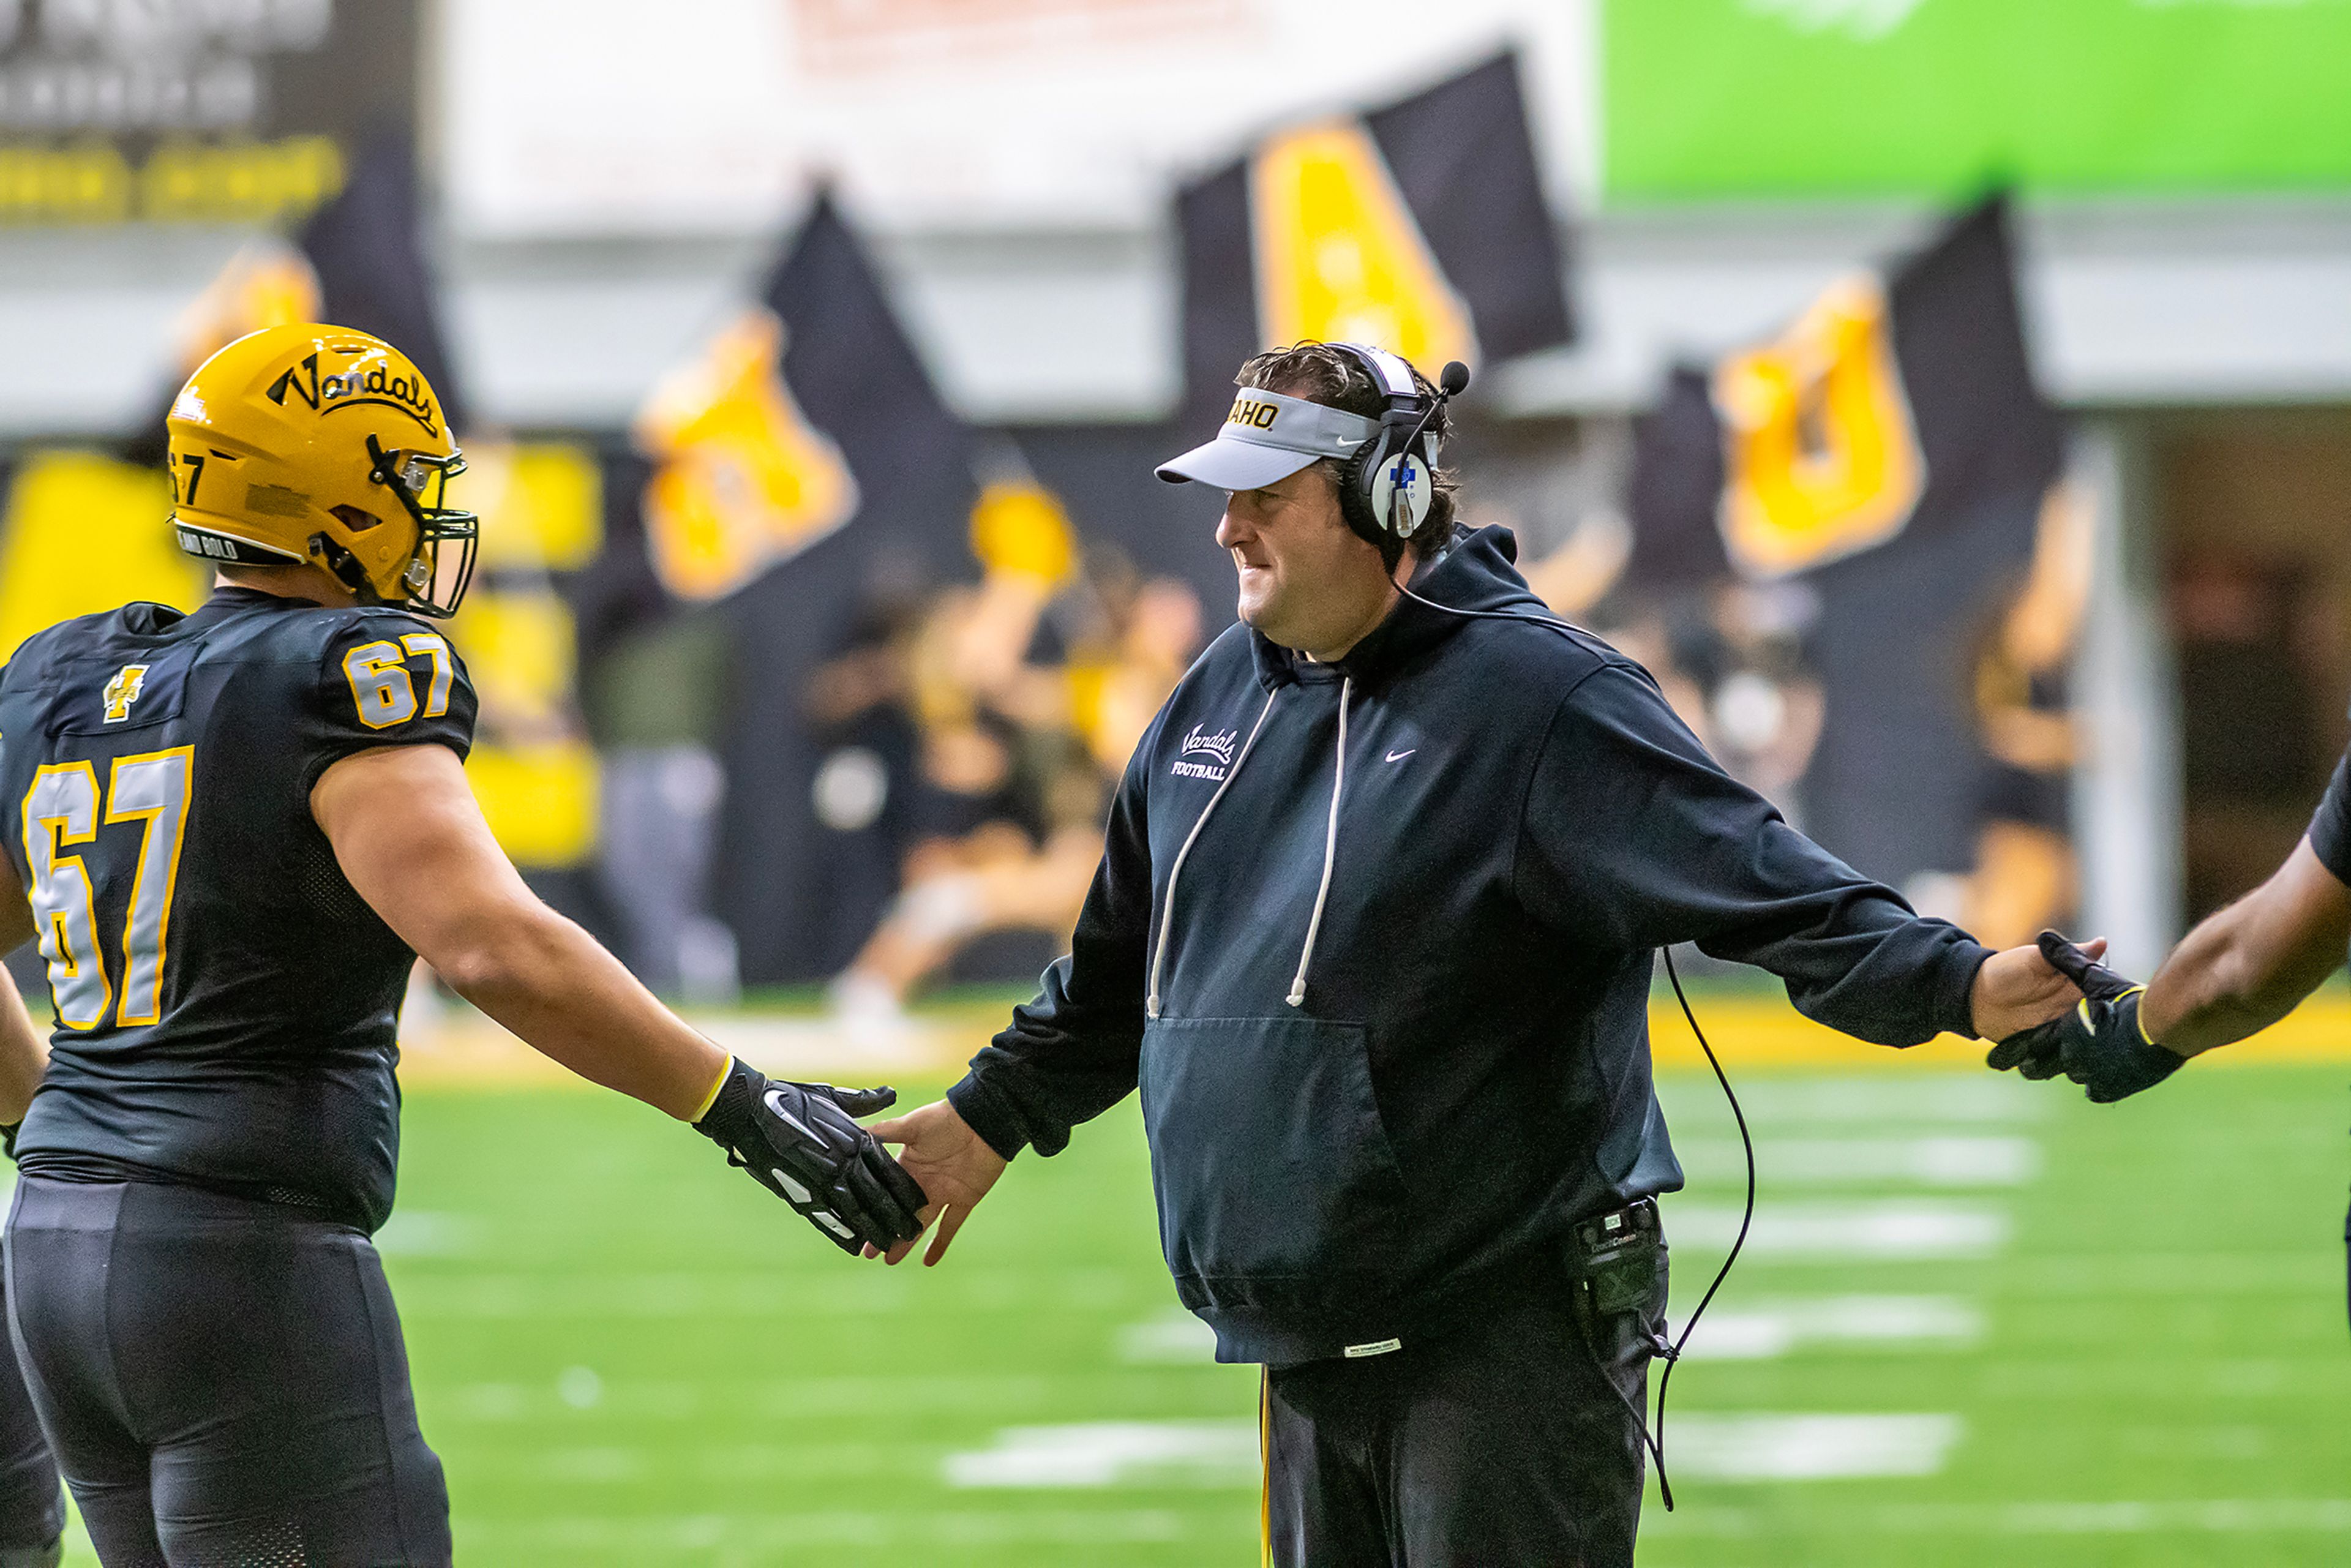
(1946, 1160)
(2265, 1516)
(1787, 1447)
(743, 1535)
(1765, 1329)
(427, 1233)
(1899, 1099)
(1888, 1229)
(1174, 1338)
(1113, 1453)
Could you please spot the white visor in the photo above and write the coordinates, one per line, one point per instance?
(1269, 437)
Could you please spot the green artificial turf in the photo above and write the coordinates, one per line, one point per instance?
(625, 1353)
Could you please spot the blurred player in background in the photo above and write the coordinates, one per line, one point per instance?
(1373, 934)
(1019, 747)
(235, 827)
(2026, 876)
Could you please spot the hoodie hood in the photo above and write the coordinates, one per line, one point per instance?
(1477, 573)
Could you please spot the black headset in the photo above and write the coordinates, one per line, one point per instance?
(1388, 483)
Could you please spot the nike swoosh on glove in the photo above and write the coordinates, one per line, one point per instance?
(802, 1143)
(2101, 1044)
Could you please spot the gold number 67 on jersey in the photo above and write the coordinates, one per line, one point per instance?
(381, 687)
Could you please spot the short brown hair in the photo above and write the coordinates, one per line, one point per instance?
(1337, 379)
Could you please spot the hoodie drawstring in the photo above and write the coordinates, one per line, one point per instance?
(1297, 997)
(1168, 909)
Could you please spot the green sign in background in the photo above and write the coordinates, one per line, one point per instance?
(1861, 98)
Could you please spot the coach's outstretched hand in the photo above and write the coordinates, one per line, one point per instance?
(954, 1164)
(2017, 988)
(801, 1141)
(2100, 1044)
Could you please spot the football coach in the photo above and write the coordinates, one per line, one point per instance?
(1373, 934)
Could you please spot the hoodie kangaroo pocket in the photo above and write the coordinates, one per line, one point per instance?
(1275, 1180)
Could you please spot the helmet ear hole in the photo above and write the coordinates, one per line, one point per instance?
(351, 518)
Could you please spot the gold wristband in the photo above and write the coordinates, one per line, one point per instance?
(711, 1098)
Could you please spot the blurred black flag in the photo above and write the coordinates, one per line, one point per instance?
(366, 249)
(1420, 226)
(1890, 451)
(1677, 488)
(358, 261)
(802, 474)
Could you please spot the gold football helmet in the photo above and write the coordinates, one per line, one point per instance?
(314, 443)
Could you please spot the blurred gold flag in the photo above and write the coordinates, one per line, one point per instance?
(1338, 255)
(1822, 459)
(744, 481)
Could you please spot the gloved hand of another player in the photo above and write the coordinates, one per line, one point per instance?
(2100, 1044)
(802, 1143)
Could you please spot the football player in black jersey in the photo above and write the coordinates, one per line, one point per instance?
(230, 830)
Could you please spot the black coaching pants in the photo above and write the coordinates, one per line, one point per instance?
(1510, 1441)
(222, 1380)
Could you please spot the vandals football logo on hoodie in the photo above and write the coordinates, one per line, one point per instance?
(1217, 745)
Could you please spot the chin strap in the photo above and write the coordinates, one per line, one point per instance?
(345, 568)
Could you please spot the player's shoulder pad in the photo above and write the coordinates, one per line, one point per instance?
(385, 673)
(380, 631)
(341, 627)
(38, 655)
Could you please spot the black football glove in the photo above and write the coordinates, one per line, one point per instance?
(2100, 1044)
(801, 1141)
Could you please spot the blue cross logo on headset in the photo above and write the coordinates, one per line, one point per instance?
(1402, 479)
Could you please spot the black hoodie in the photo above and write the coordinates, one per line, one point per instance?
(1374, 938)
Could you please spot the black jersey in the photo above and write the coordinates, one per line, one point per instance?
(226, 1005)
(2330, 825)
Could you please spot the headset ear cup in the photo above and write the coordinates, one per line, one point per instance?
(1356, 502)
(1418, 493)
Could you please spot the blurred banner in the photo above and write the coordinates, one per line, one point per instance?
(1420, 228)
(1844, 98)
(192, 110)
(1840, 525)
(801, 478)
(939, 114)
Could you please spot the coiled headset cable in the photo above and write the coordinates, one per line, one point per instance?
(1665, 1350)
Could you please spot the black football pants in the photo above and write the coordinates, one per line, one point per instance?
(1507, 1442)
(222, 1380)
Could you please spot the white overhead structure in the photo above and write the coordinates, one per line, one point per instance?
(2223, 303)
(569, 117)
